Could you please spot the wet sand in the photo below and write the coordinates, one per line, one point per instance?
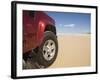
(74, 51)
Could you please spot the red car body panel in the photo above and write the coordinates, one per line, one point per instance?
(34, 24)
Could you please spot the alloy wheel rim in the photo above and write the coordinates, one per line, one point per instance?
(49, 49)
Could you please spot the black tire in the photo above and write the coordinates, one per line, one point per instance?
(48, 36)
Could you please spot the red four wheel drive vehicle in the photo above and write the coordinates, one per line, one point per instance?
(39, 37)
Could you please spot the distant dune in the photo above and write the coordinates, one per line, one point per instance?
(74, 51)
(65, 34)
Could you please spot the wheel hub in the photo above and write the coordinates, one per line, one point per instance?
(49, 50)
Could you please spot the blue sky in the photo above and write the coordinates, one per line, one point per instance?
(67, 22)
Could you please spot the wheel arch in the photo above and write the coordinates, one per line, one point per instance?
(50, 28)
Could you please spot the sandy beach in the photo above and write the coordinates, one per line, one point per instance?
(74, 51)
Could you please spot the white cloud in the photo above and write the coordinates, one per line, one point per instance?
(69, 25)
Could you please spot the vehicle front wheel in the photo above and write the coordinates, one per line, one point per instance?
(48, 50)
